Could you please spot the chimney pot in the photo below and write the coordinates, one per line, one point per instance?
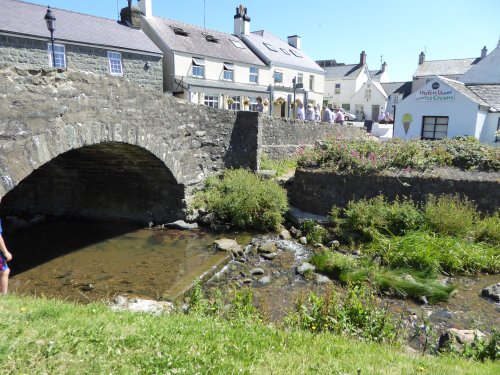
(484, 52)
(145, 7)
(362, 58)
(384, 66)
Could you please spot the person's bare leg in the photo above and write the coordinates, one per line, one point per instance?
(4, 281)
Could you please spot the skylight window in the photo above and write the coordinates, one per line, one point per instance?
(295, 53)
(285, 51)
(270, 47)
(211, 38)
(179, 30)
(237, 43)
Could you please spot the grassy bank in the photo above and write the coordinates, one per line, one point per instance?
(47, 336)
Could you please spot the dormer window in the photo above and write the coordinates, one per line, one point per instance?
(270, 47)
(285, 51)
(179, 30)
(295, 53)
(210, 38)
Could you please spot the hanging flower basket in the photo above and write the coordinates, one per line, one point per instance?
(230, 101)
(246, 102)
(279, 101)
(265, 102)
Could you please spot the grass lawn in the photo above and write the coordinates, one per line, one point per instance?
(48, 336)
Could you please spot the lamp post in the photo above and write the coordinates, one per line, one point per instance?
(50, 19)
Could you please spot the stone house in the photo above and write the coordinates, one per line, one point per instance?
(354, 88)
(206, 66)
(81, 42)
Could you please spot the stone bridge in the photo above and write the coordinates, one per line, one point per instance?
(80, 144)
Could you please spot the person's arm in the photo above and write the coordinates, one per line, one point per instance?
(4, 250)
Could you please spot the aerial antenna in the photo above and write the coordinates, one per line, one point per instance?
(117, 10)
(204, 13)
(381, 59)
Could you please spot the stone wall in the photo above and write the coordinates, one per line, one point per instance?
(317, 191)
(283, 137)
(26, 53)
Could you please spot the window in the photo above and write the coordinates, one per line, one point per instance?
(368, 93)
(228, 71)
(179, 31)
(59, 54)
(497, 134)
(254, 74)
(285, 51)
(115, 63)
(212, 100)
(295, 53)
(278, 77)
(311, 82)
(198, 67)
(337, 88)
(434, 127)
(237, 43)
(396, 99)
(346, 107)
(270, 47)
(210, 38)
(300, 78)
(253, 104)
(236, 106)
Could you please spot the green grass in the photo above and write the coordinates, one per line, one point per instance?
(47, 336)
(281, 166)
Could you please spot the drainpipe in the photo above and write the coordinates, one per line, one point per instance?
(271, 101)
(394, 119)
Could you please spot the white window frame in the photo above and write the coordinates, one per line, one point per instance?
(337, 88)
(433, 127)
(198, 67)
(253, 104)
(228, 72)
(211, 100)
(254, 75)
(115, 63)
(236, 106)
(276, 74)
(300, 78)
(60, 55)
(311, 82)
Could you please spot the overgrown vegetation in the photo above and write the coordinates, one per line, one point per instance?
(54, 337)
(244, 200)
(355, 315)
(370, 156)
(281, 166)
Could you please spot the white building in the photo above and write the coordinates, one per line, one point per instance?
(206, 66)
(446, 108)
(287, 63)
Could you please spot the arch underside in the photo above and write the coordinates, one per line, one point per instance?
(110, 180)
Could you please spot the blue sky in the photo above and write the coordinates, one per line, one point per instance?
(397, 30)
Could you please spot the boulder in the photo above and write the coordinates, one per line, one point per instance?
(303, 240)
(122, 303)
(492, 292)
(333, 244)
(269, 256)
(305, 268)
(264, 280)
(454, 339)
(181, 224)
(285, 235)
(267, 248)
(257, 271)
(229, 245)
(322, 279)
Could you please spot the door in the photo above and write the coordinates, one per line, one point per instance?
(375, 112)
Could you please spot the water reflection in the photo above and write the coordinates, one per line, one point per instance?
(86, 261)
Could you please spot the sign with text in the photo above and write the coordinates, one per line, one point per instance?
(436, 94)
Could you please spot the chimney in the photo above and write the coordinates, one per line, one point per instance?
(421, 58)
(362, 58)
(145, 7)
(131, 16)
(294, 41)
(384, 67)
(241, 21)
(484, 52)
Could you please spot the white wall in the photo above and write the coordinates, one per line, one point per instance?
(462, 113)
(486, 71)
(491, 124)
(377, 98)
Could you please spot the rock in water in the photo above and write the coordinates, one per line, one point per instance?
(304, 268)
(227, 244)
(493, 292)
(181, 224)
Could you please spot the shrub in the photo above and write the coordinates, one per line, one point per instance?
(355, 314)
(343, 268)
(315, 233)
(482, 350)
(243, 199)
(369, 216)
(488, 229)
(450, 215)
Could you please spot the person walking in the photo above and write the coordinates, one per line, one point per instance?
(260, 106)
(310, 116)
(300, 111)
(5, 256)
(317, 113)
(327, 115)
(339, 116)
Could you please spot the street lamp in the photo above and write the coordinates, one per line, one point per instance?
(51, 26)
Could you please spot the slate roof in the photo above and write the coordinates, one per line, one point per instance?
(445, 67)
(27, 19)
(461, 88)
(256, 40)
(397, 87)
(227, 86)
(195, 43)
(489, 93)
(341, 70)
